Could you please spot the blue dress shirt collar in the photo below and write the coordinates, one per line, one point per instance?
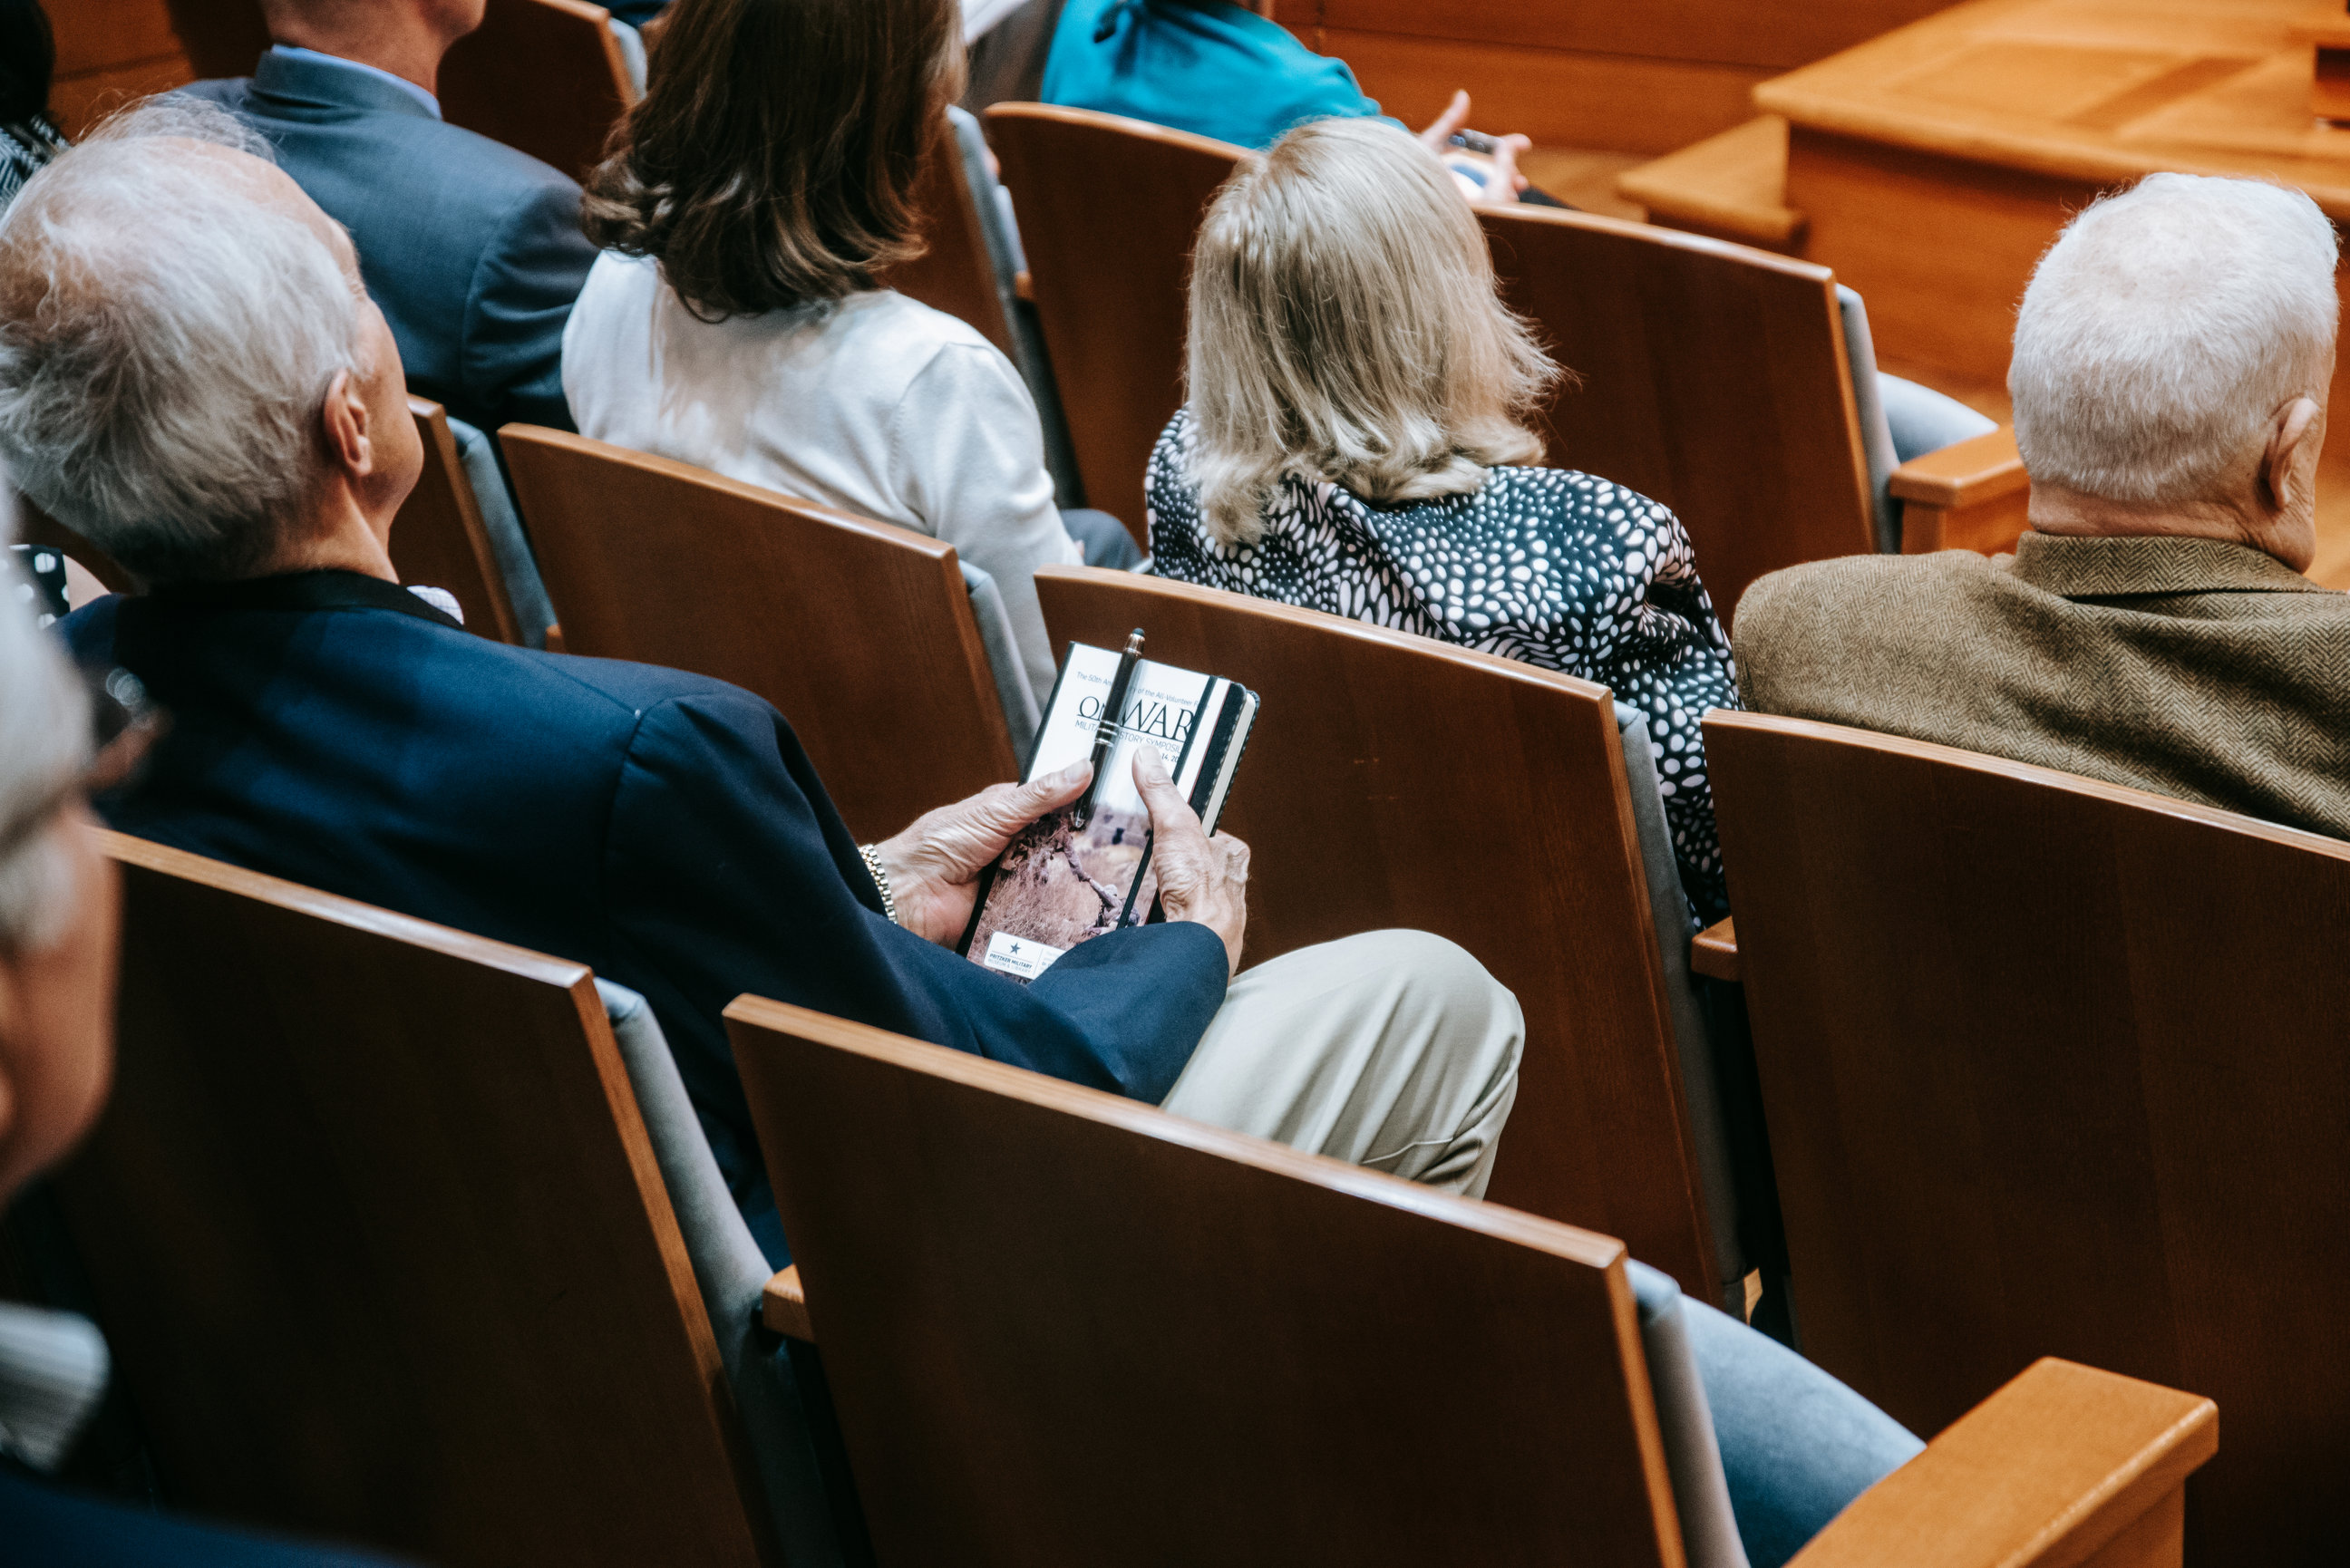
(290, 52)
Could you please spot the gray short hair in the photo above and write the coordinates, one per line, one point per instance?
(2163, 331)
(43, 743)
(1344, 327)
(166, 341)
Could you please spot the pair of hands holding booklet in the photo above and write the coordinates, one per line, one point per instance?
(934, 866)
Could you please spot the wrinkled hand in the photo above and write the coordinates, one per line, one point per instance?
(1199, 879)
(933, 867)
(1506, 182)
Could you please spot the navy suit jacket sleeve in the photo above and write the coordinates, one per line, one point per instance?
(523, 291)
(727, 868)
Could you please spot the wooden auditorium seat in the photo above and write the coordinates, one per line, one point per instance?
(2054, 1067)
(544, 77)
(955, 273)
(1066, 1327)
(1395, 781)
(1108, 210)
(861, 632)
(438, 538)
(1715, 379)
(380, 1248)
(34, 526)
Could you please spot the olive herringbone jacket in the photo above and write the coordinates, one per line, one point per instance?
(2204, 670)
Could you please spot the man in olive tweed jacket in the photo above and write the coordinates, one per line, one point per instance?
(2154, 629)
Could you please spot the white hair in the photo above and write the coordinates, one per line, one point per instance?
(1345, 327)
(2163, 331)
(166, 340)
(43, 743)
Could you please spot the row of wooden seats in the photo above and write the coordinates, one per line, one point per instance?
(1713, 377)
(393, 1240)
(1491, 802)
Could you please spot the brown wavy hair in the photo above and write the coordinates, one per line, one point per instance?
(772, 158)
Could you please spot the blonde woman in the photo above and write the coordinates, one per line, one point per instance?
(1354, 443)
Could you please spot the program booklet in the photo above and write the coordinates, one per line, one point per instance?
(1058, 883)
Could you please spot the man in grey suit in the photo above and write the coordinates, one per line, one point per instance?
(471, 249)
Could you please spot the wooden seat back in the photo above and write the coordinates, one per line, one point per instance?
(860, 632)
(1066, 1327)
(2054, 1067)
(1393, 781)
(438, 538)
(352, 1165)
(1713, 379)
(544, 77)
(1108, 208)
(1061, 1326)
(34, 526)
(954, 273)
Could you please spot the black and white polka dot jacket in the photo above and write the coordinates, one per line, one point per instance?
(1560, 570)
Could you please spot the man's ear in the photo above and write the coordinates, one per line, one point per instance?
(2289, 465)
(344, 416)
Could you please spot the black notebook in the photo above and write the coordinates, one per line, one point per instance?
(1058, 884)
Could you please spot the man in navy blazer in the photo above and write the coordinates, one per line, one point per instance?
(331, 727)
(471, 249)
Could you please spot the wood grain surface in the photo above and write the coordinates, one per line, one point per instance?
(438, 538)
(1972, 496)
(1393, 781)
(955, 274)
(2053, 1067)
(1064, 1328)
(544, 77)
(379, 1242)
(1711, 378)
(2065, 1467)
(860, 632)
(109, 52)
(1108, 208)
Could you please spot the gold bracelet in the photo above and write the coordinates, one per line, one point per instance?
(881, 881)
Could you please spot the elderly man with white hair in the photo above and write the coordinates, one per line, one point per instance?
(2153, 628)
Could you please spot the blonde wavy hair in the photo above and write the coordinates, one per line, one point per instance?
(1344, 327)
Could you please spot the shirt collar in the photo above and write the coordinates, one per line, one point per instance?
(294, 55)
(53, 1371)
(2149, 564)
(329, 589)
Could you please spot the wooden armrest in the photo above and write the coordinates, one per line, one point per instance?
(1732, 186)
(1713, 951)
(2065, 1466)
(1968, 496)
(782, 1306)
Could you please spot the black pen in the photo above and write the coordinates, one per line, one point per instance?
(1106, 729)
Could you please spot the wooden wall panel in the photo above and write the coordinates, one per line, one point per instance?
(1559, 98)
(1597, 74)
(109, 51)
(1779, 34)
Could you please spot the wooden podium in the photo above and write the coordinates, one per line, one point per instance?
(1931, 167)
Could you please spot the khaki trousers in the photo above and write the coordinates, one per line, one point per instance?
(1394, 1050)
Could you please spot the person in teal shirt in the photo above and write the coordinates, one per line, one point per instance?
(1217, 69)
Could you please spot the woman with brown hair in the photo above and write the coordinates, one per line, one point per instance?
(736, 322)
